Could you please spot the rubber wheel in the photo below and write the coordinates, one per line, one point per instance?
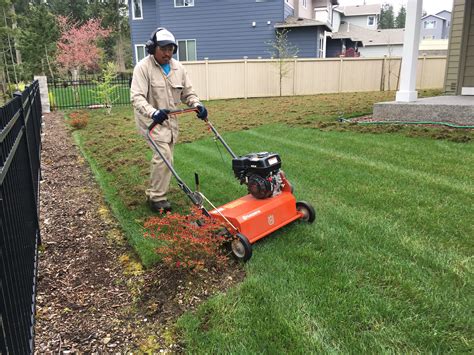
(241, 247)
(309, 215)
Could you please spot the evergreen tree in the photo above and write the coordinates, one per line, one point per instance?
(9, 70)
(387, 17)
(76, 10)
(114, 15)
(401, 17)
(38, 37)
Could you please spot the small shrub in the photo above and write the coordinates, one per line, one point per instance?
(78, 119)
(105, 90)
(187, 245)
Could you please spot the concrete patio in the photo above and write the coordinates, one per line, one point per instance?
(451, 109)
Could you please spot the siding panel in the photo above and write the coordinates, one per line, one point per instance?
(454, 50)
(469, 63)
(223, 30)
(141, 29)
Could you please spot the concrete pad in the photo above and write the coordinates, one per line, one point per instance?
(451, 109)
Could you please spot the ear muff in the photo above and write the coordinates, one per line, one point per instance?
(150, 45)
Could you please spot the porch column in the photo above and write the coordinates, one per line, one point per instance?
(411, 41)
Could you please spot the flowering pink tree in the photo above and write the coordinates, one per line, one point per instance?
(77, 46)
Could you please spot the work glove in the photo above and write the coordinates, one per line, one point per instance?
(202, 112)
(159, 116)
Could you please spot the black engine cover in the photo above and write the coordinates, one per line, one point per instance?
(261, 164)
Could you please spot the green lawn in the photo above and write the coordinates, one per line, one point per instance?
(386, 267)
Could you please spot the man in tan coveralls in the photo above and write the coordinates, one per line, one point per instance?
(160, 83)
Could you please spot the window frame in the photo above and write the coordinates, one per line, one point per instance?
(373, 20)
(136, 52)
(184, 3)
(426, 22)
(133, 10)
(186, 46)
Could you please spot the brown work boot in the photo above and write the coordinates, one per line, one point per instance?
(162, 206)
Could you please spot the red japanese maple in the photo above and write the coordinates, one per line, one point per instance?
(77, 46)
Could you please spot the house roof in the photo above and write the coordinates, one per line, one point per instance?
(359, 10)
(292, 21)
(440, 12)
(369, 37)
(437, 16)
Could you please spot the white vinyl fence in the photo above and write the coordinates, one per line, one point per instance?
(225, 79)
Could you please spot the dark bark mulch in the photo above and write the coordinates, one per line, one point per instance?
(93, 296)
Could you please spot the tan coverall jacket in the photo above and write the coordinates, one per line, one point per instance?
(152, 90)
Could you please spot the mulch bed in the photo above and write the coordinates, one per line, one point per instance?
(93, 295)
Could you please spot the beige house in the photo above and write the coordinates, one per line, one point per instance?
(460, 68)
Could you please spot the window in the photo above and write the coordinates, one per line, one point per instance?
(305, 4)
(140, 52)
(137, 10)
(429, 25)
(370, 20)
(183, 3)
(187, 50)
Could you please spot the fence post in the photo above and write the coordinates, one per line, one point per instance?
(341, 63)
(43, 86)
(245, 76)
(423, 63)
(207, 78)
(294, 74)
(382, 74)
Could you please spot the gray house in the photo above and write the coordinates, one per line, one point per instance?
(231, 29)
(355, 27)
(436, 26)
(365, 16)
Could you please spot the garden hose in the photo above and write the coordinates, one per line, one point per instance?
(409, 122)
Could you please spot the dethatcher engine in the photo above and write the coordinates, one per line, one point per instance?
(260, 172)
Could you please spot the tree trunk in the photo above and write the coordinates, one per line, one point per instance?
(120, 55)
(49, 64)
(75, 84)
(11, 51)
(15, 40)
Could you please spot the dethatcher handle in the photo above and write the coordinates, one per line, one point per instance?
(174, 112)
(211, 127)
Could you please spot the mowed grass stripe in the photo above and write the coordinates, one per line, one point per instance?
(377, 271)
(465, 187)
(401, 149)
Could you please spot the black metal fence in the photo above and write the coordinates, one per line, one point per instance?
(85, 91)
(20, 149)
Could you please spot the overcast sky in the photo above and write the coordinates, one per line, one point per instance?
(431, 6)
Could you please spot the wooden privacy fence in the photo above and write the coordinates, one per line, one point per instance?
(225, 79)
(242, 78)
(20, 149)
